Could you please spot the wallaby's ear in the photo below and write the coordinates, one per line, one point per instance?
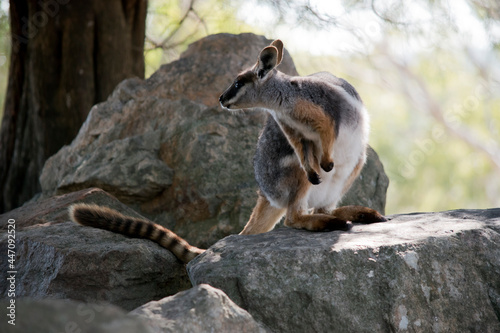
(278, 44)
(268, 59)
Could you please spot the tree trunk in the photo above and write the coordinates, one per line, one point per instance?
(67, 55)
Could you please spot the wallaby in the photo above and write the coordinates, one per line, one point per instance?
(310, 152)
(312, 147)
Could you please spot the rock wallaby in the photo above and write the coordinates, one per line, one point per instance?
(310, 152)
(312, 147)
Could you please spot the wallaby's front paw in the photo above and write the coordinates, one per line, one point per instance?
(313, 177)
(327, 165)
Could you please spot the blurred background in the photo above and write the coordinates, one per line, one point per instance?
(428, 72)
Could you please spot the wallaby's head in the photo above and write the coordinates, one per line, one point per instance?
(244, 92)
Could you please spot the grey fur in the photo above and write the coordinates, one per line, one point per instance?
(272, 148)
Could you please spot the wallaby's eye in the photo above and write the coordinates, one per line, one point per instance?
(238, 84)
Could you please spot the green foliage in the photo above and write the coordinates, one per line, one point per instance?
(173, 25)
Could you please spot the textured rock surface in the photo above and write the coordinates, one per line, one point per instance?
(53, 316)
(428, 272)
(198, 310)
(165, 147)
(56, 258)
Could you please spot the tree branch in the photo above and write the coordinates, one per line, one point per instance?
(167, 43)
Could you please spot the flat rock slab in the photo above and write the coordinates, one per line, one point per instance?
(426, 272)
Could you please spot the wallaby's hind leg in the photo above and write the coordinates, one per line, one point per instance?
(264, 217)
(297, 217)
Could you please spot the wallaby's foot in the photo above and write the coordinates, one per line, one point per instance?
(327, 165)
(313, 177)
(358, 214)
(337, 224)
(317, 222)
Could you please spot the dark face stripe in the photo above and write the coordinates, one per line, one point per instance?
(242, 79)
(229, 94)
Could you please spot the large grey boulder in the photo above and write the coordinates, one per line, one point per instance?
(197, 310)
(425, 272)
(56, 258)
(165, 147)
(53, 316)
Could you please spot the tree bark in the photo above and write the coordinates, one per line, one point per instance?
(67, 55)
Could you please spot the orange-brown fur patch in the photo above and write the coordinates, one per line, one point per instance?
(314, 116)
(264, 217)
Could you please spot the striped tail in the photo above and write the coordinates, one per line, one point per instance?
(112, 220)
